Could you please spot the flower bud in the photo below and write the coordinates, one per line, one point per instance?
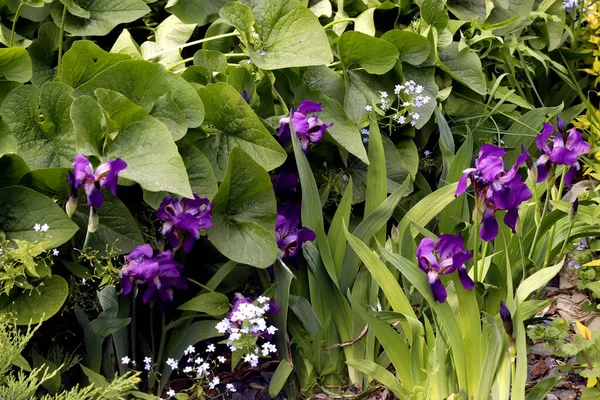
(94, 220)
(506, 318)
(573, 210)
(71, 205)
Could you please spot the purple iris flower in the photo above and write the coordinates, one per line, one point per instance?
(495, 189)
(287, 232)
(245, 96)
(161, 274)
(309, 128)
(506, 318)
(564, 149)
(186, 215)
(106, 175)
(450, 255)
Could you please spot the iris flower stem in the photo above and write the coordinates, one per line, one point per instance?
(537, 231)
(14, 24)
(482, 258)
(161, 347)
(522, 256)
(553, 231)
(475, 251)
(564, 246)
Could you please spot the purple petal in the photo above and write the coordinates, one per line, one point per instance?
(575, 143)
(188, 244)
(143, 251)
(187, 222)
(459, 260)
(285, 182)
(462, 183)
(439, 291)
(111, 168)
(489, 226)
(126, 285)
(543, 168)
(511, 218)
(562, 155)
(560, 123)
(284, 130)
(490, 161)
(163, 212)
(570, 175)
(82, 169)
(308, 107)
(150, 291)
(448, 245)
(541, 140)
(425, 247)
(465, 279)
(95, 198)
(506, 318)
(300, 123)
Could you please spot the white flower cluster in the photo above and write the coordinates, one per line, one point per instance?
(245, 325)
(41, 228)
(410, 96)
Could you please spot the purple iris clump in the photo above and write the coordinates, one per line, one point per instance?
(450, 255)
(159, 273)
(309, 128)
(564, 149)
(181, 216)
(495, 189)
(106, 175)
(287, 232)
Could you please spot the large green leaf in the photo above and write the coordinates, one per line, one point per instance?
(412, 47)
(15, 64)
(464, 66)
(145, 83)
(244, 213)
(41, 144)
(289, 35)
(22, 208)
(169, 35)
(43, 53)
(13, 168)
(194, 11)
(374, 55)
(39, 304)
(142, 141)
(432, 12)
(84, 60)
(211, 303)
(281, 374)
(230, 123)
(104, 15)
(470, 9)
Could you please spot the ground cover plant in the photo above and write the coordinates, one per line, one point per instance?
(299, 199)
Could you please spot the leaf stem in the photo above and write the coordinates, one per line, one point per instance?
(338, 21)
(14, 24)
(475, 251)
(201, 285)
(553, 231)
(60, 41)
(208, 39)
(161, 347)
(178, 63)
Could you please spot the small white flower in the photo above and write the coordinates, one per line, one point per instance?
(199, 360)
(419, 89)
(230, 387)
(383, 94)
(263, 299)
(426, 153)
(261, 52)
(172, 363)
(187, 370)
(190, 350)
(55, 252)
(83, 281)
(221, 359)
(415, 116)
(214, 382)
(398, 89)
(365, 140)
(37, 227)
(171, 393)
(210, 348)
(407, 104)
(401, 119)
(223, 326)
(364, 131)
(325, 164)
(271, 330)
(45, 228)
(413, 123)
(368, 108)
(235, 336)
(125, 360)
(147, 359)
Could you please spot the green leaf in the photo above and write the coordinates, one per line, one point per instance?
(85, 60)
(542, 388)
(337, 242)
(374, 55)
(43, 53)
(48, 181)
(213, 60)
(432, 12)
(142, 141)
(170, 34)
(289, 34)
(39, 304)
(380, 374)
(117, 229)
(211, 303)
(52, 384)
(231, 123)
(41, 144)
(464, 66)
(412, 47)
(15, 64)
(283, 371)
(244, 213)
(95, 378)
(22, 208)
(104, 15)
(304, 312)
(469, 10)
(194, 12)
(13, 168)
(536, 281)
(144, 83)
